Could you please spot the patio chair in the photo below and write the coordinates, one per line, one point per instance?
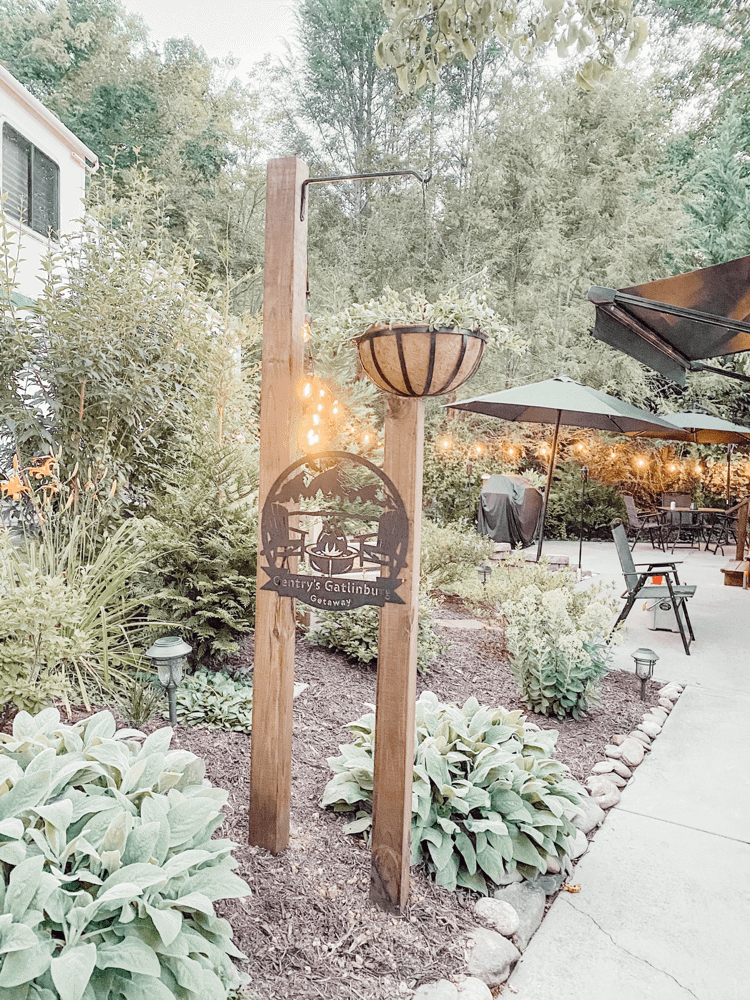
(635, 581)
(724, 528)
(640, 521)
(681, 527)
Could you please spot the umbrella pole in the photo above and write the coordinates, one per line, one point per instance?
(549, 484)
(729, 473)
(584, 480)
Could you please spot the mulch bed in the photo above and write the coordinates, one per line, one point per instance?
(309, 929)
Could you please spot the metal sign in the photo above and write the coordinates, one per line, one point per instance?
(342, 518)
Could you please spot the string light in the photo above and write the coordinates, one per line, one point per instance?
(320, 407)
(316, 419)
(307, 391)
(641, 461)
(366, 439)
(335, 410)
(478, 449)
(613, 454)
(312, 438)
(446, 442)
(673, 468)
(322, 393)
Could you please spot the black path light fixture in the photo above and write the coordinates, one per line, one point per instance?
(169, 655)
(484, 571)
(644, 667)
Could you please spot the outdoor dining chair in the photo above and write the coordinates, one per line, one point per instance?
(724, 528)
(642, 521)
(637, 588)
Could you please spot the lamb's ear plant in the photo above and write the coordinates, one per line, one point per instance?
(108, 869)
(214, 699)
(488, 798)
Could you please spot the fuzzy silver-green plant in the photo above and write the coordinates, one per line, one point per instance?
(487, 797)
(215, 700)
(108, 873)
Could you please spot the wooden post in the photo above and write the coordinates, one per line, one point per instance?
(739, 552)
(284, 285)
(397, 671)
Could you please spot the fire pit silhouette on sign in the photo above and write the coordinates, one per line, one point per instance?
(340, 518)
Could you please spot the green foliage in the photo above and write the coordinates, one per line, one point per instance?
(205, 522)
(559, 650)
(71, 621)
(454, 307)
(424, 37)
(355, 633)
(601, 505)
(138, 699)
(451, 496)
(215, 700)
(508, 577)
(449, 554)
(488, 799)
(135, 359)
(109, 872)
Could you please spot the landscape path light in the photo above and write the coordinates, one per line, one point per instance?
(484, 571)
(169, 655)
(644, 667)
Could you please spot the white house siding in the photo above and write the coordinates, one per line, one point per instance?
(34, 122)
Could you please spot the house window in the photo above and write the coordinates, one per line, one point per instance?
(31, 181)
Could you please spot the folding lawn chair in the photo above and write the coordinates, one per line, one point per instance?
(635, 580)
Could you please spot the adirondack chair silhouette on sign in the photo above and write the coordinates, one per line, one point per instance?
(635, 580)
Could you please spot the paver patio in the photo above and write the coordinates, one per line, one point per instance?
(664, 905)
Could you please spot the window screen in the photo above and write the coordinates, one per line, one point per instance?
(32, 182)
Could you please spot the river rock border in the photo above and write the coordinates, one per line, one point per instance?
(514, 912)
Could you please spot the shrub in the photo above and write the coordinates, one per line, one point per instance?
(449, 554)
(559, 646)
(355, 633)
(488, 799)
(451, 496)
(601, 505)
(109, 870)
(205, 583)
(216, 700)
(508, 577)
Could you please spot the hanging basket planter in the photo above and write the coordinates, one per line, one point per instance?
(417, 361)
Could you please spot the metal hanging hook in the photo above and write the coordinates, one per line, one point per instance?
(423, 180)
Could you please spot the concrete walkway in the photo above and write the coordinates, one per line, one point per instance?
(664, 907)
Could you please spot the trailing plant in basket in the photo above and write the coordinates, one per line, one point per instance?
(109, 873)
(559, 650)
(455, 308)
(488, 798)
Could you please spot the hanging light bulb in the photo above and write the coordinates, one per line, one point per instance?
(640, 462)
(316, 419)
(312, 438)
(613, 454)
(322, 393)
(307, 391)
(673, 468)
(335, 410)
(446, 443)
(320, 407)
(366, 439)
(478, 449)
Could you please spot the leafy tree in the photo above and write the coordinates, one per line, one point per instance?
(425, 36)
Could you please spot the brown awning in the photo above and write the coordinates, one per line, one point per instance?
(674, 324)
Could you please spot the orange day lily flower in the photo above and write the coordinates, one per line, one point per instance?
(13, 487)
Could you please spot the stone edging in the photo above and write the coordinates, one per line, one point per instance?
(514, 911)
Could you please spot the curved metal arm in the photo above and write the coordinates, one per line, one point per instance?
(359, 177)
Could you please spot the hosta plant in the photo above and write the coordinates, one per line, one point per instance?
(559, 649)
(488, 798)
(108, 872)
(216, 700)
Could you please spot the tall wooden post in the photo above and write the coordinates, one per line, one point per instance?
(284, 288)
(397, 671)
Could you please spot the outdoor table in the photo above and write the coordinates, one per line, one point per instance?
(706, 516)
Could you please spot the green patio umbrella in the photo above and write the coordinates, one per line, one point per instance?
(704, 428)
(561, 400)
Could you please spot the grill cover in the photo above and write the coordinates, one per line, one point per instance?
(509, 510)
